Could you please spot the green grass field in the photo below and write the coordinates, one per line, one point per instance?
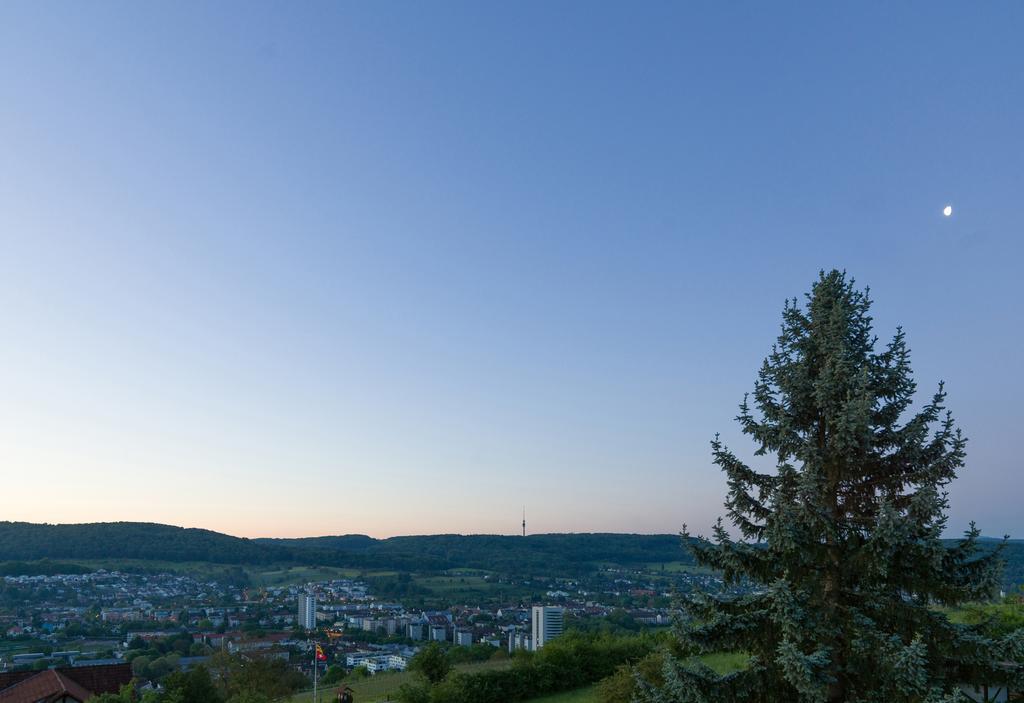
(456, 584)
(288, 576)
(270, 575)
(11, 647)
(384, 686)
(191, 568)
(468, 572)
(460, 586)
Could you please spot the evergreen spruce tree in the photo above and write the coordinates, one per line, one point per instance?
(841, 541)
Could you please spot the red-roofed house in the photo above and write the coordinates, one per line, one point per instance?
(48, 686)
(64, 685)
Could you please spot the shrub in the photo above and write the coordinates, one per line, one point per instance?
(569, 662)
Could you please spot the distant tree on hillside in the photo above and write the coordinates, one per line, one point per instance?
(844, 533)
(127, 694)
(194, 686)
(431, 662)
(253, 678)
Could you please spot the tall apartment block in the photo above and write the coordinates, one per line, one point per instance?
(548, 623)
(307, 611)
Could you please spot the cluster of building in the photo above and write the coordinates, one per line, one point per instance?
(376, 661)
(509, 629)
(95, 618)
(112, 597)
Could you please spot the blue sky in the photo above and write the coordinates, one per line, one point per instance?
(391, 268)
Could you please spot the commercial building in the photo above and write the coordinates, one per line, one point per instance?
(548, 623)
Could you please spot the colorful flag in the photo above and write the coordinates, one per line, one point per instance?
(320, 656)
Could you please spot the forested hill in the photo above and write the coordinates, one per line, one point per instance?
(539, 554)
(131, 540)
(547, 554)
(536, 554)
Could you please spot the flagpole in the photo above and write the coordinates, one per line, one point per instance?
(315, 667)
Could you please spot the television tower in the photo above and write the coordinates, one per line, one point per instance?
(524, 521)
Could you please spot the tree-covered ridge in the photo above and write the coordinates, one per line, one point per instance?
(844, 535)
(539, 554)
(543, 554)
(131, 540)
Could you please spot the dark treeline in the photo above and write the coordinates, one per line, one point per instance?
(534, 554)
(42, 567)
(131, 540)
(546, 554)
(20, 541)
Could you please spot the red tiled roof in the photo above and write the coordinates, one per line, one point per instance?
(9, 678)
(101, 678)
(44, 686)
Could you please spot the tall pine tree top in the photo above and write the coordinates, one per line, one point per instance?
(842, 538)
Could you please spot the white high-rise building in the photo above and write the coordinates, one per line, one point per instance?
(307, 611)
(548, 623)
